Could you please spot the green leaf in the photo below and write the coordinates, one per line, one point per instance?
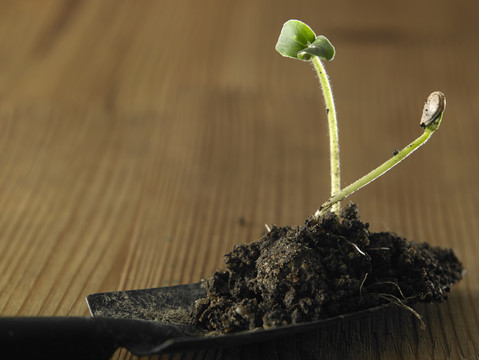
(321, 47)
(295, 36)
(298, 41)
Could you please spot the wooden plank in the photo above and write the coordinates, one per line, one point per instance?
(139, 141)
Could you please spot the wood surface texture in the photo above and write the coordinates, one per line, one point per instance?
(141, 140)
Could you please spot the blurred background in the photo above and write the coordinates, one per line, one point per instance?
(141, 140)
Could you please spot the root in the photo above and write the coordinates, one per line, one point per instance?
(392, 283)
(361, 286)
(398, 302)
(379, 248)
(357, 248)
(352, 244)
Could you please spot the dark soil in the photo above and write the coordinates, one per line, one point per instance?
(322, 269)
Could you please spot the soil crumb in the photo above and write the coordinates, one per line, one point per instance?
(322, 269)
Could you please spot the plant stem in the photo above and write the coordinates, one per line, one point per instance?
(380, 170)
(333, 131)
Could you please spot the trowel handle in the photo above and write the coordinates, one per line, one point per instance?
(76, 337)
(55, 338)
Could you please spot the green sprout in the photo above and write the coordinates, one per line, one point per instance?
(298, 41)
(430, 121)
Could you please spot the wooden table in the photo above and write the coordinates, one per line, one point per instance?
(141, 140)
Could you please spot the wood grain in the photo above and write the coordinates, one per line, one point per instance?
(139, 141)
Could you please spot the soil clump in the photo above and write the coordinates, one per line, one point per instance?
(319, 270)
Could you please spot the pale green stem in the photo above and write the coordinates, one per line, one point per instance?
(380, 170)
(333, 130)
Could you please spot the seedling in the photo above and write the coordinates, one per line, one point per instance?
(298, 41)
(331, 265)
